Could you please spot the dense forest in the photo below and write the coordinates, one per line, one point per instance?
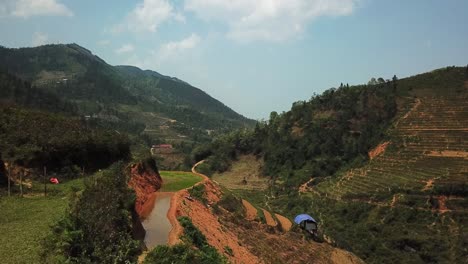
(14, 90)
(34, 139)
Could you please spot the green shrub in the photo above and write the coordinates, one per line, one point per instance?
(98, 226)
(232, 204)
(198, 192)
(185, 252)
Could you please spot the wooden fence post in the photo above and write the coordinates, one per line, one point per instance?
(9, 179)
(21, 182)
(45, 181)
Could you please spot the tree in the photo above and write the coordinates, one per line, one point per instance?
(372, 81)
(394, 82)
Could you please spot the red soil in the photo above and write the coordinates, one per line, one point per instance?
(284, 222)
(251, 211)
(305, 187)
(378, 150)
(449, 153)
(269, 219)
(429, 185)
(206, 222)
(145, 182)
(442, 204)
(248, 245)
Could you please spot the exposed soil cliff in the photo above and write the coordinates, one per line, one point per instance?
(247, 241)
(224, 240)
(145, 180)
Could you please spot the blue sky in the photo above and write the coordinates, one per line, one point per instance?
(254, 56)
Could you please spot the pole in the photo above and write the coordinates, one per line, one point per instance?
(21, 183)
(45, 181)
(9, 179)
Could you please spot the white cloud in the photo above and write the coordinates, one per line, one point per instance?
(267, 20)
(148, 16)
(176, 48)
(29, 8)
(125, 49)
(169, 53)
(39, 39)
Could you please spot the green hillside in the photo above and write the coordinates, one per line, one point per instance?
(383, 166)
(170, 109)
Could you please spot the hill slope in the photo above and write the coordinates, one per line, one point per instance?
(388, 184)
(415, 184)
(121, 93)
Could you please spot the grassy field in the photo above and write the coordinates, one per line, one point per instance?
(177, 180)
(247, 168)
(24, 222)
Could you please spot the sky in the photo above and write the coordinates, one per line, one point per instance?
(254, 56)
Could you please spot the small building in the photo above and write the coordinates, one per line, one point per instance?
(307, 223)
(162, 146)
(161, 149)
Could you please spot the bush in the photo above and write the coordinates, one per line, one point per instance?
(98, 226)
(198, 192)
(232, 204)
(185, 252)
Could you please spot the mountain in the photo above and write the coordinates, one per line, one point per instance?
(168, 108)
(383, 166)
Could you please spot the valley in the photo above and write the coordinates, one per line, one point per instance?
(152, 169)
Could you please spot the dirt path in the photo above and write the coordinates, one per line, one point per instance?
(442, 204)
(449, 154)
(415, 106)
(394, 200)
(251, 211)
(208, 223)
(284, 222)
(429, 185)
(269, 219)
(204, 177)
(172, 213)
(177, 229)
(305, 187)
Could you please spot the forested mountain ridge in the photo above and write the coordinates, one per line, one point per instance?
(382, 166)
(171, 90)
(120, 93)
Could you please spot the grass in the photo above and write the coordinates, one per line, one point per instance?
(247, 167)
(24, 222)
(176, 180)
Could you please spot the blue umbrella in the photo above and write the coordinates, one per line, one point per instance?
(303, 217)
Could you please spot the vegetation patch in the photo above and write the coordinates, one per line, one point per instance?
(98, 226)
(194, 249)
(198, 192)
(232, 204)
(25, 222)
(175, 180)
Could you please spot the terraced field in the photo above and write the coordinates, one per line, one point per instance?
(413, 190)
(427, 159)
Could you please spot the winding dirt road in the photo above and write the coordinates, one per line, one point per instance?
(177, 229)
